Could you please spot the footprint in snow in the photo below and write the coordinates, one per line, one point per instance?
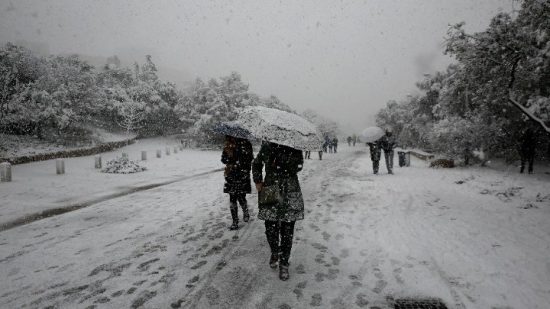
(199, 265)
(316, 300)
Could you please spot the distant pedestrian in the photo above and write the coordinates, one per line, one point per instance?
(354, 139)
(320, 155)
(387, 143)
(237, 156)
(349, 141)
(280, 199)
(325, 145)
(335, 144)
(375, 152)
(527, 150)
(307, 154)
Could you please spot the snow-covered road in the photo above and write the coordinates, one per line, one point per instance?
(475, 238)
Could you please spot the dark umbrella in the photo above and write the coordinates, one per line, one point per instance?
(232, 128)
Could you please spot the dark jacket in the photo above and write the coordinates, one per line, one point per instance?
(374, 151)
(237, 171)
(281, 167)
(528, 143)
(387, 143)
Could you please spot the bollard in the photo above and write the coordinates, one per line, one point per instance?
(60, 166)
(159, 153)
(97, 161)
(5, 172)
(167, 151)
(144, 155)
(175, 149)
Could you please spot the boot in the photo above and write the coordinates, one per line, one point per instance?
(246, 215)
(274, 260)
(283, 272)
(235, 217)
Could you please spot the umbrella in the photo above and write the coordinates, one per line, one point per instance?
(372, 134)
(280, 127)
(232, 128)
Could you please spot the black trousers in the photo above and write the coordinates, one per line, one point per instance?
(279, 236)
(237, 197)
(388, 156)
(530, 160)
(375, 165)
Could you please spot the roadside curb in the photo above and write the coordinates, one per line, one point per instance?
(72, 207)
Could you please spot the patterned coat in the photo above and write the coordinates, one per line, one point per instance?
(237, 167)
(281, 167)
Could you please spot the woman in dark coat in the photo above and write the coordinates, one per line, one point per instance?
(237, 156)
(375, 153)
(281, 167)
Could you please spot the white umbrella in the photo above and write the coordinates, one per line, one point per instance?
(372, 134)
(280, 127)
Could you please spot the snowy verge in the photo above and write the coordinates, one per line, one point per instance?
(36, 188)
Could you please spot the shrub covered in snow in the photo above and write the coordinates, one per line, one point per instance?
(122, 165)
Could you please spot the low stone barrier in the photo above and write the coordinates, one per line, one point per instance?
(81, 152)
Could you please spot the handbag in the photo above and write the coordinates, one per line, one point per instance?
(269, 195)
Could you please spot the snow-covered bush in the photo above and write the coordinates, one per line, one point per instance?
(122, 165)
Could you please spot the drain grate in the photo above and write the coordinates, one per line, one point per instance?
(411, 303)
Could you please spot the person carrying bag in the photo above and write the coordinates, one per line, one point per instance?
(280, 201)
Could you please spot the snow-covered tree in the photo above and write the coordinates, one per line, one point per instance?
(327, 127)
(131, 114)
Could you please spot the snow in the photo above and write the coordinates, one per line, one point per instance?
(465, 235)
(372, 134)
(35, 186)
(280, 127)
(122, 165)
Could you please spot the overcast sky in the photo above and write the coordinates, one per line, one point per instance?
(344, 59)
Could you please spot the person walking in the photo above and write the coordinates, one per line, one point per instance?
(387, 143)
(335, 144)
(237, 156)
(528, 150)
(307, 154)
(349, 141)
(280, 200)
(354, 139)
(375, 152)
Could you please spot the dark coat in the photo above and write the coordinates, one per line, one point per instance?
(387, 143)
(528, 144)
(281, 167)
(374, 151)
(237, 171)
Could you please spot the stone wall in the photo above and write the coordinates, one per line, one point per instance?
(87, 151)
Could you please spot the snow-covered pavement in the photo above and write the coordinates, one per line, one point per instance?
(476, 238)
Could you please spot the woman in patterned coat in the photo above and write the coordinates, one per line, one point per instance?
(281, 164)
